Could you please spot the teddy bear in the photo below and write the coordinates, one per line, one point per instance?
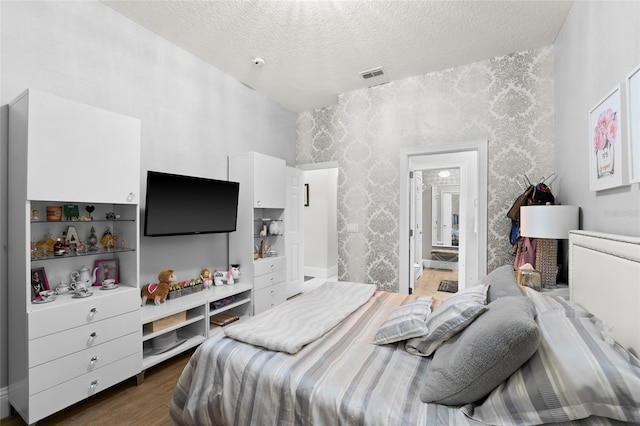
(159, 292)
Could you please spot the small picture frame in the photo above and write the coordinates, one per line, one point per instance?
(633, 124)
(107, 269)
(39, 283)
(306, 195)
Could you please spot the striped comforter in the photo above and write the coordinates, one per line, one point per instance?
(339, 379)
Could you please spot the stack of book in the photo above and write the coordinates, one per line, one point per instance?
(223, 319)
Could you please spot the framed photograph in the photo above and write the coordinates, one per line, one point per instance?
(107, 268)
(306, 195)
(633, 124)
(605, 143)
(38, 283)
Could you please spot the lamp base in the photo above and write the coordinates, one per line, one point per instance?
(547, 260)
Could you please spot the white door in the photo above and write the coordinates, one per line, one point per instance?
(294, 231)
(417, 226)
(446, 218)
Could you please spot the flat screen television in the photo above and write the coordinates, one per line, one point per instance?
(184, 205)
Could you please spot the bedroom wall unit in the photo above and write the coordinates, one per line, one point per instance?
(63, 153)
(194, 327)
(258, 243)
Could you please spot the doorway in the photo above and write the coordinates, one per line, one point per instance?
(321, 223)
(467, 228)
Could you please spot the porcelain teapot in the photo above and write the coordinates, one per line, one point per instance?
(83, 275)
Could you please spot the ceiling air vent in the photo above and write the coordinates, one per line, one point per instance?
(375, 72)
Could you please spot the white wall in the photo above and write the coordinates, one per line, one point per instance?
(192, 114)
(320, 223)
(598, 46)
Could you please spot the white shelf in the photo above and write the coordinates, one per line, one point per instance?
(151, 360)
(229, 306)
(194, 319)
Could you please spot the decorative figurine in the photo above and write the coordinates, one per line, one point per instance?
(71, 211)
(107, 239)
(207, 278)
(93, 240)
(217, 277)
(90, 210)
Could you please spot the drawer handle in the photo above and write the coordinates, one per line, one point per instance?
(94, 311)
(131, 196)
(94, 384)
(94, 359)
(93, 335)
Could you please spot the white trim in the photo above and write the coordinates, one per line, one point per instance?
(318, 166)
(439, 264)
(321, 272)
(479, 146)
(5, 408)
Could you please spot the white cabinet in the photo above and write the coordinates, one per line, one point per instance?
(268, 181)
(257, 245)
(62, 153)
(76, 152)
(190, 317)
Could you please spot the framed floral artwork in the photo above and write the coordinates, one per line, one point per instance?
(633, 124)
(605, 143)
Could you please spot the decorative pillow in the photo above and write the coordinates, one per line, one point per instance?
(574, 375)
(485, 354)
(448, 319)
(501, 282)
(407, 321)
(546, 302)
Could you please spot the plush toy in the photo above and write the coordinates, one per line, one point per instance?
(159, 292)
(230, 276)
(207, 278)
(217, 277)
(235, 272)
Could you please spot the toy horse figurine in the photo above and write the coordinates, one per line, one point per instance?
(230, 276)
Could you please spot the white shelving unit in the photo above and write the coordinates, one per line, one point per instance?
(262, 200)
(196, 328)
(63, 152)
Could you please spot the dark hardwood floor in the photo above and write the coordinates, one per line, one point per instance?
(125, 403)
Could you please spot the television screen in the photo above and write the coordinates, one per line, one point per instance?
(180, 205)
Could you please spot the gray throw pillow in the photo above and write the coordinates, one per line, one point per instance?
(501, 282)
(469, 366)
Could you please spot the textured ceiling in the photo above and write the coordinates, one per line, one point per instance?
(315, 50)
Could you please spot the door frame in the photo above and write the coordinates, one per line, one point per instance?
(480, 147)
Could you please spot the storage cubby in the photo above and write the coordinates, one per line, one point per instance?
(194, 325)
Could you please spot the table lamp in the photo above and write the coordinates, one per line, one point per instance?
(548, 224)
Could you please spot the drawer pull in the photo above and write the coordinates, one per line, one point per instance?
(131, 196)
(93, 335)
(93, 311)
(94, 384)
(94, 359)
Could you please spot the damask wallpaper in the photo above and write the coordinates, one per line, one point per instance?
(506, 100)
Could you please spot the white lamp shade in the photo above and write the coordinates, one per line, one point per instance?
(548, 221)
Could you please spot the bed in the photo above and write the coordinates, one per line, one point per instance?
(566, 368)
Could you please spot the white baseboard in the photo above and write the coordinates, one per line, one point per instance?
(5, 409)
(439, 264)
(321, 272)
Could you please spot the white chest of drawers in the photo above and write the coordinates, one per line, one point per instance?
(78, 347)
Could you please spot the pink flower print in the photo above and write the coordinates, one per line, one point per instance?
(606, 129)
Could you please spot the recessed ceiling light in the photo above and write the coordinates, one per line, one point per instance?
(444, 173)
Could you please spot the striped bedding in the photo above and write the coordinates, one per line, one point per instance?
(343, 379)
(339, 379)
(303, 319)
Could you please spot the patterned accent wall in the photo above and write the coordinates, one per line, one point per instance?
(506, 100)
